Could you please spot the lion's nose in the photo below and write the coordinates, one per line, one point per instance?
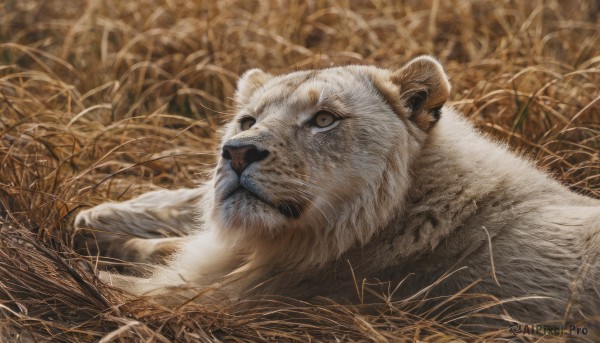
(243, 156)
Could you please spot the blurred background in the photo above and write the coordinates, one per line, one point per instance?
(105, 99)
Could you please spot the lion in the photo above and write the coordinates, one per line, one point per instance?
(329, 177)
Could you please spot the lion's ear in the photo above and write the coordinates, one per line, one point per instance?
(424, 88)
(250, 81)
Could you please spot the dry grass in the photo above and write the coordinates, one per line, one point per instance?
(107, 99)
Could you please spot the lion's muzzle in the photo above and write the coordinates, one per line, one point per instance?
(241, 157)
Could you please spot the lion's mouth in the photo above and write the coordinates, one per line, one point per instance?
(289, 209)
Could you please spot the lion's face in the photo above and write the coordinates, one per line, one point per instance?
(307, 148)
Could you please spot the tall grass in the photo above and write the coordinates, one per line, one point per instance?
(106, 99)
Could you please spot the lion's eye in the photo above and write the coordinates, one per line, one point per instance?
(247, 123)
(323, 119)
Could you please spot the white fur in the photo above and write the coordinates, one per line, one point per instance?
(389, 191)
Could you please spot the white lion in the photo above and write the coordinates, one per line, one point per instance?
(331, 176)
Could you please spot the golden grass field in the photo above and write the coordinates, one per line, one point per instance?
(106, 99)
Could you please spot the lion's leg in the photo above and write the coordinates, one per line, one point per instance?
(143, 229)
(150, 215)
(196, 270)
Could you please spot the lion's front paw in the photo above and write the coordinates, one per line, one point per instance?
(142, 229)
(112, 230)
(91, 218)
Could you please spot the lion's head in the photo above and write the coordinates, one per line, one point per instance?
(324, 153)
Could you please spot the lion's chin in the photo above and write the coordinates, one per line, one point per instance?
(247, 211)
(289, 209)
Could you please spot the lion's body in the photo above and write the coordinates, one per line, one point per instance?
(395, 189)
